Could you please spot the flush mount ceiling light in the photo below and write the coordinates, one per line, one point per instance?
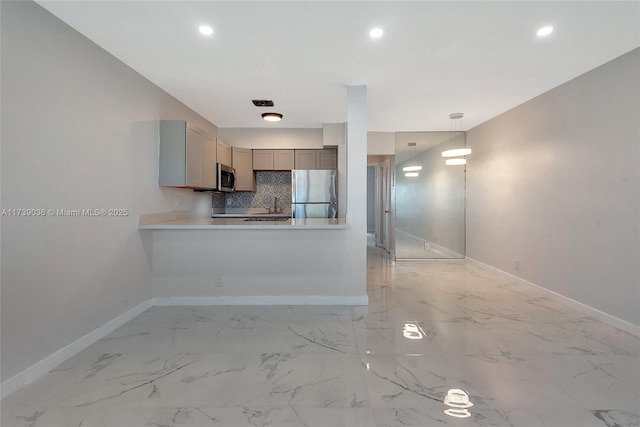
(376, 33)
(272, 117)
(412, 169)
(456, 121)
(544, 31)
(205, 30)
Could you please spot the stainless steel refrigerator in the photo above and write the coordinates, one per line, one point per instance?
(313, 194)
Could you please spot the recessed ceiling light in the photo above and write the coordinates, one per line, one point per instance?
(376, 33)
(545, 31)
(205, 30)
(272, 117)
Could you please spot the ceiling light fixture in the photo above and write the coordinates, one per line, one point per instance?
(205, 30)
(272, 117)
(411, 171)
(376, 33)
(455, 162)
(456, 152)
(545, 31)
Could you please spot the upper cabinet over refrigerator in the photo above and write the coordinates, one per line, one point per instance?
(313, 193)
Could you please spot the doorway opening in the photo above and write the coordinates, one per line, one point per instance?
(380, 209)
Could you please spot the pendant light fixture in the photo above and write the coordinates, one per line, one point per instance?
(456, 152)
(455, 161)
(412, 169)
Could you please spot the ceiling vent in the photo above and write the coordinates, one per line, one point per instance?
(262, 102)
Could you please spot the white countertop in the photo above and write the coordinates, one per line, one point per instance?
(241, 224)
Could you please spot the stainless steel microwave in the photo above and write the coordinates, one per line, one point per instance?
(226, 178)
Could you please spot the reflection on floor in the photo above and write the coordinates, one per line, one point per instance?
(498, 353)
(409, 246)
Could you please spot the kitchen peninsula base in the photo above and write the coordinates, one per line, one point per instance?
(229, 261)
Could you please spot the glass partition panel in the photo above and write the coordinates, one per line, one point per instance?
(430, 200)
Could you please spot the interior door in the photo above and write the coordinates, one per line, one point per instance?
(386, 204)
(383, 205)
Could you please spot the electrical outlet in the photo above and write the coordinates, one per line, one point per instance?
(426, 246)
(516, 264)
(219, 282)
(228, 201)
(178, 201)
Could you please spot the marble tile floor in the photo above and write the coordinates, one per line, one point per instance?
(523, 359)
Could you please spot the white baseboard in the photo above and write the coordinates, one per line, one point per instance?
(42, 367)
(583, 308)
(262, 300)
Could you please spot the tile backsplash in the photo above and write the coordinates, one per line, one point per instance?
(217, 201)
(268, 186)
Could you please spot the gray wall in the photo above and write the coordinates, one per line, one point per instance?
(555, 183)
(78, 131)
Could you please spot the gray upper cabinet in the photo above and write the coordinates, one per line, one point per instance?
(209, 162)
(305, 159)
(262, 160)
(243, 166)
(187, 156)
(326, 158)
(224, 153)
(283, 160)
(279, 160)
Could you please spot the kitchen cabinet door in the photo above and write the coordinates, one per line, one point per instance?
(243, 166)
(195, 155)
(224, 153)
(283, 160)
(305, 159)
(263, 160)
(327, 159)
(209, 161)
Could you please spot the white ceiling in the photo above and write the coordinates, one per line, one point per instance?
(436, 57)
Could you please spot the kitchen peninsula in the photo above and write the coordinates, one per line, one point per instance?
(228, 261)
